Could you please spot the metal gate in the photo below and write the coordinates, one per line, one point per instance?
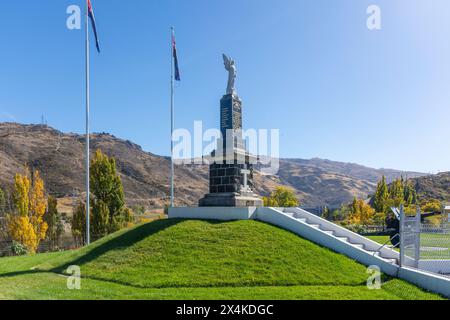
(409, 238)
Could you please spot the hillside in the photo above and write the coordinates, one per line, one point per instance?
(60, 158)
(352, 169)
(435, 187)
(176, 259)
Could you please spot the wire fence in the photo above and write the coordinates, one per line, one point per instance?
(423, 245)
(435, 242)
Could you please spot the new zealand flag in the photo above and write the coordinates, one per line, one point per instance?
(94, 27)
(175, 59)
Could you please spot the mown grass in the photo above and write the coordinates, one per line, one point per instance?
(433, 245)
(172, 253)
(51, 286)
(380, 239)
(174, 259)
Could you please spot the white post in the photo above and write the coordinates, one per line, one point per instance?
(88, 238)
(402, 236)
(172, 124)
(417, 237)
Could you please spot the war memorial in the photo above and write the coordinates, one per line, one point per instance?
(231, 165)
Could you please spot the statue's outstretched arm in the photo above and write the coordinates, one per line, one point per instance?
(226, 61)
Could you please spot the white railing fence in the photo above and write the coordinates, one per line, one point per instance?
(424, 246)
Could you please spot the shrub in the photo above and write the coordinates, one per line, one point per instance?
(18, 249)
(431, 205)
(282, 197)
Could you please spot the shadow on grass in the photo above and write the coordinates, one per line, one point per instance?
(21, 273)
(122, 241)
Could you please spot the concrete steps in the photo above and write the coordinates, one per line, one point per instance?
(337, 238)
(359, 245)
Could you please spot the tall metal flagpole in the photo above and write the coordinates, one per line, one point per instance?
(172, 123)
(88, 209)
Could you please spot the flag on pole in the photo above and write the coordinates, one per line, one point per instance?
(94, 27)
(175, 59)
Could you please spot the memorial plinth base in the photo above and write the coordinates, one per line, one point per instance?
(230, 200)
(214, 213)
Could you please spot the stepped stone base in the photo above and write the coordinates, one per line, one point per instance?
(214, 213)
(230, 200)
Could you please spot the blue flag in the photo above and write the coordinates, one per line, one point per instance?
(175, 59)
(94, 27)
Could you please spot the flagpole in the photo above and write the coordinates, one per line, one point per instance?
(172, 98)
(88, 237)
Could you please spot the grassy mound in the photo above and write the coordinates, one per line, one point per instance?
(204, 254)
(198, 259)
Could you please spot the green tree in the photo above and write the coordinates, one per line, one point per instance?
(54, 222)
(326, 214)
(379, 219)
(282, 197)
(100, 219)
(344, 212)
(79, 224)
(3, 230)
(335, 215)
(410, 194)
(2, 202)
(381, 197)
(108, 195)
(397, 193)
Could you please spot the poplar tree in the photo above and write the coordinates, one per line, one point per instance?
(26, 224)
(326, 214)
(396, 192)
(109, 213)
(2, 202)
(53, 220)
(381, 197)
(79, 224)
(100, 219)
(410, 193)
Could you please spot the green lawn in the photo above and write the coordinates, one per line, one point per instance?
(380, 239)
(174, 259)
(433, 246)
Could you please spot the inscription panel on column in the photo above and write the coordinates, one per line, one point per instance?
(237, 115)
(226, 118)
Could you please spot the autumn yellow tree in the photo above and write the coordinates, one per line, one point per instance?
(26, 224)
(431, 205)
(361, 213)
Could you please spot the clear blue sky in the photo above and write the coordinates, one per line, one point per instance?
(310, 68)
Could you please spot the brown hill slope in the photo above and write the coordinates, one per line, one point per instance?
(435, 186)
(60, 158)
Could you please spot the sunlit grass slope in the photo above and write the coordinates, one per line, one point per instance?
(175, 259)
